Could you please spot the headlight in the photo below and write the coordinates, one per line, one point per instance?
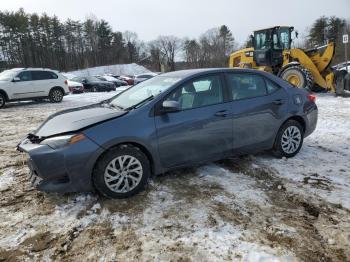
(61, 141)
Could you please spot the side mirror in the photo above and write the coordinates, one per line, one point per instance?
(84, 81)
(296, 34)
(170, 106)
(16, 79)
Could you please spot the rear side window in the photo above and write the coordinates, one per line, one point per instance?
(43, 75)
(271, 87)
(243, 86)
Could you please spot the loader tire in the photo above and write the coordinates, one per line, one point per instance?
(298, 76)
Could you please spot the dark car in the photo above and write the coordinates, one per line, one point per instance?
(172, 120)
(93, 84)
(115, 81)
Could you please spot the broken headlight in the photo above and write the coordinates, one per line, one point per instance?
(61, 141)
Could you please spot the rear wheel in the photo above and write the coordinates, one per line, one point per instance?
(298, 76)
(121, 172)
(2, 100)
(56, 95)
(289, 139)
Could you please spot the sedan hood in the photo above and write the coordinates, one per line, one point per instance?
(75, 119)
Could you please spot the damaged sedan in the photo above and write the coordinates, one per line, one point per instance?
(173, 120)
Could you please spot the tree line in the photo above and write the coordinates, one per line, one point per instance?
(32, 40)
(326, 29)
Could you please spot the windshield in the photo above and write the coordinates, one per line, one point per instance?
(8, 75)
(262, 40)
(281, 39)
(109, 78)
(91, 78)
(138, 93)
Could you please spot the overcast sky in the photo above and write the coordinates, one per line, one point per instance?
(150, 18)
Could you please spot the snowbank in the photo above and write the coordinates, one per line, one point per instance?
(120, 69)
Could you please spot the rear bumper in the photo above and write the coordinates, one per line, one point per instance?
(310, 119)
(67, 169)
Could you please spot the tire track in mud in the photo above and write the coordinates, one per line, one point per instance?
(304, 216)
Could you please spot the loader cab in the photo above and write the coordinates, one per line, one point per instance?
(269, 45)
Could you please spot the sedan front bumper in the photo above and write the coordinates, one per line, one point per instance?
(67, 169)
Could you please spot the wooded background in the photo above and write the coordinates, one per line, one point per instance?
(32, 40)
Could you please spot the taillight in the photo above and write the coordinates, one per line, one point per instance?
(311, 98)
(66, 82)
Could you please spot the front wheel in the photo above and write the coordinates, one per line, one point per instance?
(56, 95)
(122, 172)
(298, 76)
(289, 139)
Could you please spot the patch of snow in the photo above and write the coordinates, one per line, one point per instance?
(6, 179)
(118, 69)
(325, 155)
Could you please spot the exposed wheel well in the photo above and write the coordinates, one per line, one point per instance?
(298, 119)
(5, 94)
(134, 144)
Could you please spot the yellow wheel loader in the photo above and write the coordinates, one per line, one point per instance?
(272, 52)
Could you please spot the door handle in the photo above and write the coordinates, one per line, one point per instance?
(221, 113)
(278, 102)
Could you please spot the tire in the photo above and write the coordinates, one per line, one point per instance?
(2, 100)
(56, 95)
(287, 148)
(342, 82)
(298, 76)
(111, 178)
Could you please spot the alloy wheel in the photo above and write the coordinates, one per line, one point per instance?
(123, 174)
(57, 95)
(291, 139)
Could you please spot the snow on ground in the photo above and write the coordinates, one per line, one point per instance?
(327, 171)
(119, 69)
(253, 208)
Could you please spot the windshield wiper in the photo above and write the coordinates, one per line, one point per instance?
(112, 105)
(140, 103)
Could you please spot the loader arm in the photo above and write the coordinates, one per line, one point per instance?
(305, 61)
(322, 56)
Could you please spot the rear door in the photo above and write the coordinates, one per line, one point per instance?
(201, 130)
(43, 82)
(258, 108)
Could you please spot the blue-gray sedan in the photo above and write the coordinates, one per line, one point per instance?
(172, 120)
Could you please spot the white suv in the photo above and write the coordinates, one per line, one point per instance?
(32, 83)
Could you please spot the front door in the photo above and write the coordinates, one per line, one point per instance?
(23, 87)
(201, 130)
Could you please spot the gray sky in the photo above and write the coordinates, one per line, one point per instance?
(190, 18)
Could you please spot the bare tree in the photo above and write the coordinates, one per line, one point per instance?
(169, 47)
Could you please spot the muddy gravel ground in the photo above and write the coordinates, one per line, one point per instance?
(251, 208)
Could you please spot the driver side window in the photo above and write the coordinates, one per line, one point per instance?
(25, 76)
(200, 92)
